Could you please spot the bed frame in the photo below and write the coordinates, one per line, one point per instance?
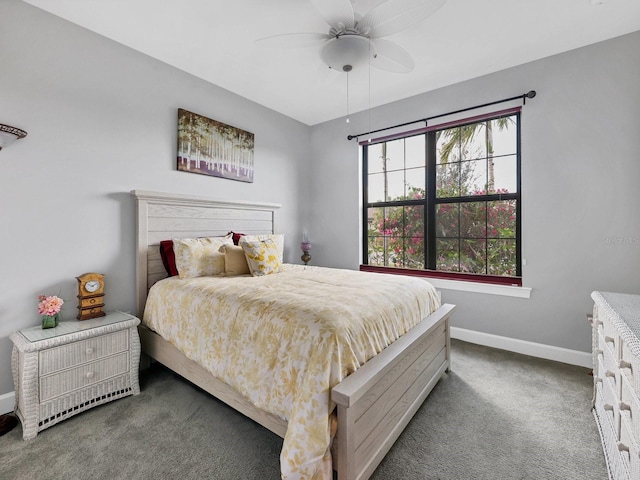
(374, 404)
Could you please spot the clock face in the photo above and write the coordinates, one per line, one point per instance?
(92, 286)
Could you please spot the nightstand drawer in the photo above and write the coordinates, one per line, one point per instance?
(68, 380)
(77, 353)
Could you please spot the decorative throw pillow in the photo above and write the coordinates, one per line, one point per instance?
(199, 257)
(236, 237)
(168, 257)
(235, 261)
(263, 256)
(278, 238)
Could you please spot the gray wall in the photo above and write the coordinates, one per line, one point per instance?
(101, 121)
(580, 187)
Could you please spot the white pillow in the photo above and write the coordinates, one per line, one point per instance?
(199, 257)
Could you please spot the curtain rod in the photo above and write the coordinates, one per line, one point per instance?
(524, 96)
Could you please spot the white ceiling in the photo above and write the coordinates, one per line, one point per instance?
(215, 40)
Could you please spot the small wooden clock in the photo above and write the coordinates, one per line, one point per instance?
(90, 296)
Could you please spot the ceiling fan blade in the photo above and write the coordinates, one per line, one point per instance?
(393, 16)
(294, 40)
(391, 57)
(337, 13)
(363, 6)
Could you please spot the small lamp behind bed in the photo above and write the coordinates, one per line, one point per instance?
(305, 246)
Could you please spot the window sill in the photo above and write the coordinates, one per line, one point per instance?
(460, 285)
(477, 287)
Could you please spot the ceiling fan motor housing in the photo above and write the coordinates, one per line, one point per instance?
(344, 52)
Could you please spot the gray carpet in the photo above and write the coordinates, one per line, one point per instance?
(495, 416)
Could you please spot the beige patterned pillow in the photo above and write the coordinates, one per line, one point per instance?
(199, 257)
(235, 261)
(264, 256)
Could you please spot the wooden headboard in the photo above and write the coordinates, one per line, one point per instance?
(163, 216)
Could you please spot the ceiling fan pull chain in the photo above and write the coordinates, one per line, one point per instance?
(347, 96)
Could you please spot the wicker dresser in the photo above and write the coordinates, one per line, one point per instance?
(62, 371)
(616, 374)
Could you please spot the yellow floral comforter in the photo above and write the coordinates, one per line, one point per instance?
(284, 340)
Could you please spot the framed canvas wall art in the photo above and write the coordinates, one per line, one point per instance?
(209, 147)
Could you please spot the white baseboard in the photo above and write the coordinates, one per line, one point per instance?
(7, 402)
(548, 352)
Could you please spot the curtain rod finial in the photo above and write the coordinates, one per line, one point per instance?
(531, 94)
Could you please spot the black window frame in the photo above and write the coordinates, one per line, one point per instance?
(430, 203)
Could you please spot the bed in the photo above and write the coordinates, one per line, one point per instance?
(373, 404)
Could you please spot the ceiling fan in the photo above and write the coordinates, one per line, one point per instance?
(354, 39)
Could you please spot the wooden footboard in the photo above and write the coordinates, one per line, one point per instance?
(376, 402)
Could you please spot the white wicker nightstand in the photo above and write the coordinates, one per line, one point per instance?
(62, 371)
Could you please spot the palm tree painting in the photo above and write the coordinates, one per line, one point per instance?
(209, 147)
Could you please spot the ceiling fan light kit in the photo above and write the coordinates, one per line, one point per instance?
(9, 134)
(344, 52)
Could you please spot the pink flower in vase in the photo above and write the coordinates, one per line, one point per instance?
(49, 306)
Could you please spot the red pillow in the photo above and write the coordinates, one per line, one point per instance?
(236, 237)
(168, 257)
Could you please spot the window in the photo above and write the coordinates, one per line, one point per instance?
(445, 200)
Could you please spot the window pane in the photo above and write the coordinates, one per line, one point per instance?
(394, 154)
(375, 188)
(473, 142)
(395, 185)
(414, 236)
(504, 136)
(448, 146)
(447, 220)
(447, 254)
(502, 257)
(374, 158)
(504, 174)
(501, 219)
(415, 151)
(376, 251)
(375, 221)
(448, 180)
(414, 252)
(414, 221)
(474, 177)
(415, 182)
(473, 220)
(473, 256)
